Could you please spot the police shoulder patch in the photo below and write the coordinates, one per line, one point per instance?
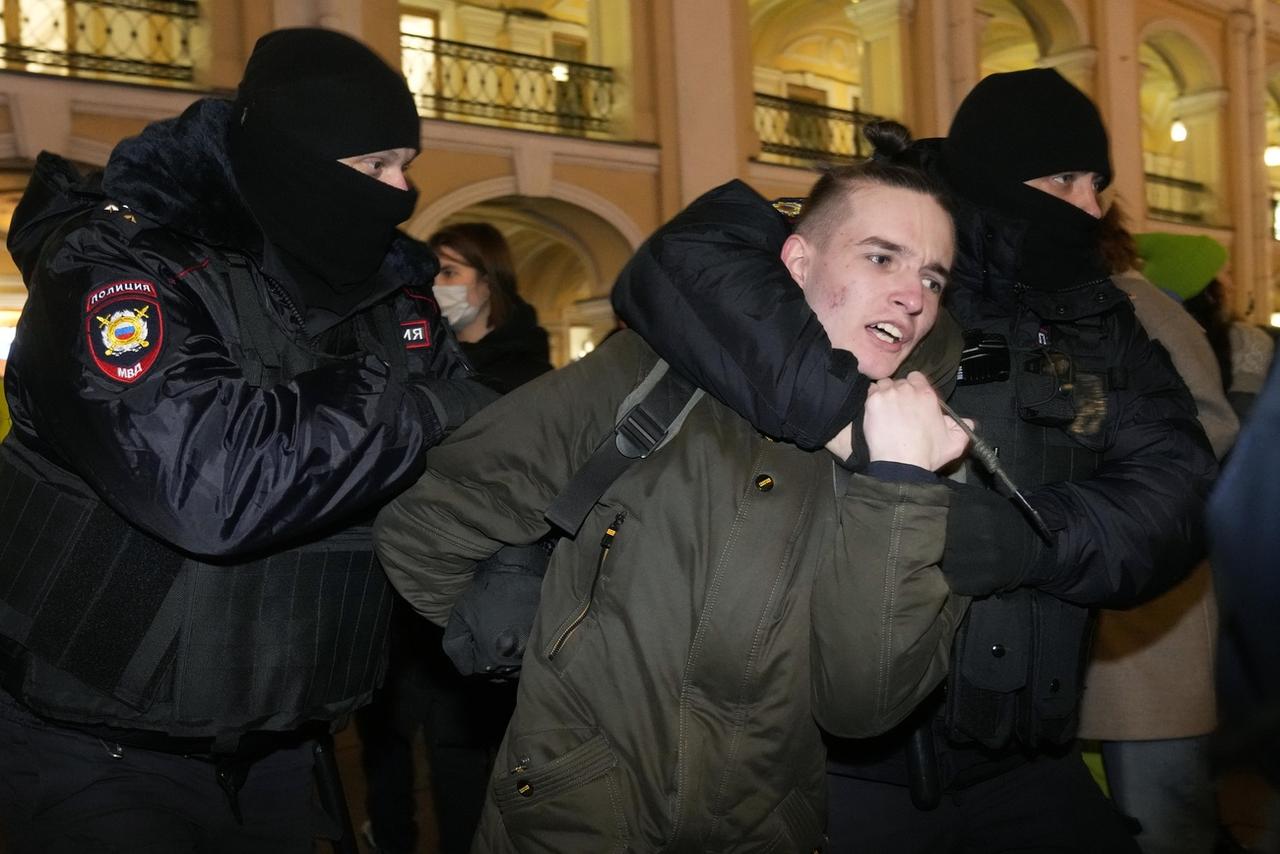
(416, 334)
(124, 328)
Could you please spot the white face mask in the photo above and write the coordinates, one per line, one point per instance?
(452, 300)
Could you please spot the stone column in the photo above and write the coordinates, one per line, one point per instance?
(1118, 81)
(1204, 149)
(293, 13)
(1078, 66)
(1248, 179)
(884, 27)
(1265, 293)
(617, 40)
(221, 48)
(714, 103)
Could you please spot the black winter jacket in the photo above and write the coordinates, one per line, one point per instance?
(199, 459)
(512, 354)
(1127, 519)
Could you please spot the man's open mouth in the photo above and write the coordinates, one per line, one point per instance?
(887, 332)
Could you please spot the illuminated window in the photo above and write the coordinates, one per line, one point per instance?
(417, 54)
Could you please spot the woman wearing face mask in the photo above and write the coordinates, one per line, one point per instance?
(476, 290)
(463, 717)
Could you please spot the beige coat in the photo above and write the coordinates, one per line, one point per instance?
(1152, 671)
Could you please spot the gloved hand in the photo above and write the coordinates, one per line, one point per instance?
(490, 623)
(991, 546)
(452, 402)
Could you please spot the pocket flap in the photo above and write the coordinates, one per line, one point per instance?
(991, 646)
(589, 760)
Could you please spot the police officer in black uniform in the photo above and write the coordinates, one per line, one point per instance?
(229, 359)
(1084, 412)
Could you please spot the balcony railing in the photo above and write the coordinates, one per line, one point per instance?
(804, 131)
(1177, 199)
(148, 39)
(467, 82)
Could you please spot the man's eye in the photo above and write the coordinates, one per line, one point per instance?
(879, 260)
(934, 285)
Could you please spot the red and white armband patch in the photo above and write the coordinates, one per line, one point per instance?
(416, 334)
(124, 328)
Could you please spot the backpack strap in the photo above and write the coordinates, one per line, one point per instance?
(648, 418)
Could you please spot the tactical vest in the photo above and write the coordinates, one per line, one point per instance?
(106, 625)
(1019, 657)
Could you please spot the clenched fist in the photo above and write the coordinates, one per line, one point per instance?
(904, 423)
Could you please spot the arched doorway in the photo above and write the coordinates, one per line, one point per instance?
(1182, 101)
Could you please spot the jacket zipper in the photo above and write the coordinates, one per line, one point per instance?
(606, 542)
(278, 291)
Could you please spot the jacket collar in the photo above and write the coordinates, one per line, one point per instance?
(177, 174)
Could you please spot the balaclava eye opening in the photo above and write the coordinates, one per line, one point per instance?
(309, 97)
(1022, 125)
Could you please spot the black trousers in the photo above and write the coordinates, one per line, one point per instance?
(464, 720)
(1049, 805)
(64, 791)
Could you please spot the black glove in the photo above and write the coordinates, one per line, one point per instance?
(452, 402)
(490, 623)
(991, 546)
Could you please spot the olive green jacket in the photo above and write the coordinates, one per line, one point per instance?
(725, 594)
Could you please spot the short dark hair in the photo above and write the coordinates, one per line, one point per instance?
(484, 248)
(823, 208)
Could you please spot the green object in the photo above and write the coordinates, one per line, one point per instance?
(1182, 264)
(1091, 753)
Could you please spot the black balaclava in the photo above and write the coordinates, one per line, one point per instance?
(309, 97)
(1022, 125)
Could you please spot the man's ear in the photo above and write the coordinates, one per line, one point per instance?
(797, 255)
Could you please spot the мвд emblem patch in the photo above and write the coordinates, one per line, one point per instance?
(124, 328)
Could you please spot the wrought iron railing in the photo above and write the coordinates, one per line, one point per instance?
(149, 39)
(455, 80)
(805, 131)
(1177, 199)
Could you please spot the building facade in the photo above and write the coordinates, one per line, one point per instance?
(578, 126)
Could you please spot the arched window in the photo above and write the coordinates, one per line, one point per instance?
(1181, 102)
(810, 67)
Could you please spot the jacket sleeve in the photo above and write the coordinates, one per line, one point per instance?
(1136, 527)
(1246, 540)
(710, 294)
(883, 617)
(489, 484)
(186, 448)
(1169, 325)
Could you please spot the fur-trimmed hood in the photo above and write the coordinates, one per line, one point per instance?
(177, 174)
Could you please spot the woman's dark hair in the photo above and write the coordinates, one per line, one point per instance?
(484, 248)
(1119, 250)
(887, 167)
